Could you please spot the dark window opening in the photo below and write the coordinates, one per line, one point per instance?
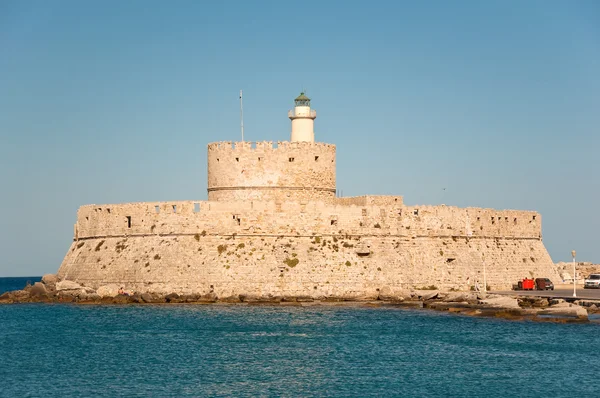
(87, 218)
(291, 159)
(237, 159)
(449, 260)
(259, 159)
(108, 210)
(334, 222)
(478, 218)
(196, 207)
(217, 159)
(416, 212)
(174, 208)
(515, 220)
(316, 158)
(534, 218)
(128, 221)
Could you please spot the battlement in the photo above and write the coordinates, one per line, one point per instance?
(376, 217)
(259, 146)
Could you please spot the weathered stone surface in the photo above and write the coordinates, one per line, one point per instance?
(50, 280)
(172, 297)
(429, 296)
(501, 302)
(68, 285)
(110, 290)
(565, 309)
(393, 294)
(38, 289)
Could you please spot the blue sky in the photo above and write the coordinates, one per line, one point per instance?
(110, 102)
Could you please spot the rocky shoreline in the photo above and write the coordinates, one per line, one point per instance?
(50, 290)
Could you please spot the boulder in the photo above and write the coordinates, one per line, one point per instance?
(89, 297)
(428, 296)
(565, 309)
(208, 298)
(38, 290)
(391, 294)
(67, 285)
(147, 297)
(456, 297)
(111, 290)
(50, 281)
(501, 302)
(172, 298)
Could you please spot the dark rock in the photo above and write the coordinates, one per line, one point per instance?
(120, 299)
(207, 298)
(230, 299)
(172, 298)
(304, 299)
(147, 297)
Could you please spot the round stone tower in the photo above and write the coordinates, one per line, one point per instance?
(299, 170)
(303, 120)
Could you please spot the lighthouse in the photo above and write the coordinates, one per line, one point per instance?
(303, 120)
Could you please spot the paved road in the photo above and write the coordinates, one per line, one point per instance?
(592, 294)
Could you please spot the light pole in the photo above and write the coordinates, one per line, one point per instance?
(574, 275)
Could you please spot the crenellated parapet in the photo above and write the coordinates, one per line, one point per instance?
(268, 171)
(370, 216)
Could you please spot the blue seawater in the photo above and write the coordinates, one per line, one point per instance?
(18, 283)
(52, 350)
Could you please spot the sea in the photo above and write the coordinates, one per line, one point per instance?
(191, 350)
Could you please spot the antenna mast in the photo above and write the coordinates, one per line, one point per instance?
(242, 115)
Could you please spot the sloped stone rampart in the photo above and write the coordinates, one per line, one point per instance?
(302, 248)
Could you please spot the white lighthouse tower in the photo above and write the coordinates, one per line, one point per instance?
(303, 120)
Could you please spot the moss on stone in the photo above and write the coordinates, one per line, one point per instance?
(291, 262)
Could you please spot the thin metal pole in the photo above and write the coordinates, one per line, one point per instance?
(242, 115)
(574, 279)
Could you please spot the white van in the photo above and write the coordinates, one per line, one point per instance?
(592, 282)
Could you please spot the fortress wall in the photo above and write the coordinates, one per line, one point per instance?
(303, 218)
(252, 247)
(288, 170)
(316, 266)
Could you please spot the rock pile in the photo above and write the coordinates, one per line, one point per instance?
(51, 290)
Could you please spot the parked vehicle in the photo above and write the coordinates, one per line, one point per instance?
(544, 284)
(592, 282)
(525, 284)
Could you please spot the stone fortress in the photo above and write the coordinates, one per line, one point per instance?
(273, 227)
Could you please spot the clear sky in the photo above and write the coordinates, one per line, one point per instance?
(115, 101)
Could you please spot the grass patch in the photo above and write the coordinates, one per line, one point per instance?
(241, 246)
(348, 263)
(197, 237)
(291, 262)
(317, 239)
(346, 245)
(221, 249)
(157, 256)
